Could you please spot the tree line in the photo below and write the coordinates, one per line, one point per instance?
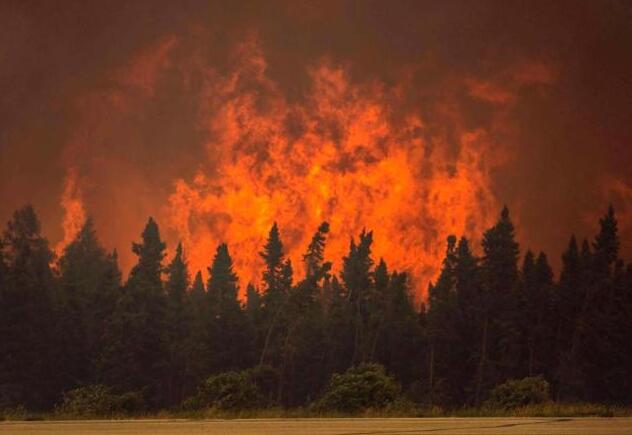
(71, 321)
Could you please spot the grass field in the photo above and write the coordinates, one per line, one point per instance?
(342, 426)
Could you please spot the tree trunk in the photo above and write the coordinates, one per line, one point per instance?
(482, 362)
(431, 377)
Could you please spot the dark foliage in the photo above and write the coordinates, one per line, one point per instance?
(495, 329)
(362, 387)
(519, 392)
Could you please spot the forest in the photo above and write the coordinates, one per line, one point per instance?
(72, 330)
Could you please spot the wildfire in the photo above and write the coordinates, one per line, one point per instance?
(338, 156)
(356, 154)
(74, 212)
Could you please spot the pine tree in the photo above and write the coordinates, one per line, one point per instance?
(178, 325)
(303, 347)
(253, 303)
(222, 282)
(600, 337)
(89, 288)
(357, 279)
(315, 266)
(135, 353)
(229, 330)
(273, 258)
(452, 319)
(27, 321)
(276, 283)
(442, 333)
(403, 334)
(537, 328)
(339, 330)
(469, 290)
(498, 342)
(198, 355)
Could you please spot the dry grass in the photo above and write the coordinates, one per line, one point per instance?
(403, 409)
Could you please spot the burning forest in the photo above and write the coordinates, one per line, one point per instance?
(278, 200)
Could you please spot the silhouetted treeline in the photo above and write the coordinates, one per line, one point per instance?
(72, 322)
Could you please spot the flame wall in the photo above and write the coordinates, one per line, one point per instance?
(412, 119)
(353, 153)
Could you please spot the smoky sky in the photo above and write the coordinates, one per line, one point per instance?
(572, 142)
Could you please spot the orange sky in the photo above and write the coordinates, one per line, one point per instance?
(416, 120)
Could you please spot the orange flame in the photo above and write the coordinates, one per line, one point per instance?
(356, 154)
(74, 211)
(339, 156)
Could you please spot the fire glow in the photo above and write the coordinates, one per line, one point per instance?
(353, 154)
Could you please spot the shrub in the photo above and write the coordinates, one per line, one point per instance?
(228, 390)
(99, 400)
(11, 396)
(266, 379)
(359, 388)
(17, 412)
(247, 389)
(519, 392)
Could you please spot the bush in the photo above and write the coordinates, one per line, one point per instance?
(359, 388)
(267, 379)
(519, 392)
(17, 412)
(229, 390)
(99, 400)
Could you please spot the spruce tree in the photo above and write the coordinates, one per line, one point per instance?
(198, 354)
(536, 320)
(135, 354)
(600, 336)
(253, 303)
(229, 332)
(273, 258)
(178, 325)
(27, 321)
(276, 283)
(89, 288)
(303, 347)
(442, 333)
(339, 330)
(498, 340)
(402, 332)
(357, 279)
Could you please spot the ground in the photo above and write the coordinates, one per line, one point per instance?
(343, 426)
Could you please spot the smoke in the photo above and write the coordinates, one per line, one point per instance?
(413, 120)
(356, 153)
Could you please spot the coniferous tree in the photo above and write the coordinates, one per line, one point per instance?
(569, 301)
(27, 316)
(253, 303)
(404, 344)
(484, 321)
(339, 330)
(198, 354)
(498, 342)
(468, 287)
(536, 319)
(570, 373)
(452, 319)
(442, 330)
(599, 336)
(276, 283)
(178, 325)
(230, 341)
(274, 260)
(135, 352)
(303, 346)
(89, 288)
(357, 279)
